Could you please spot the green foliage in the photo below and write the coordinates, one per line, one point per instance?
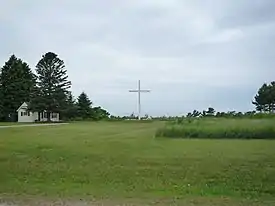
(196, 113)
(84, 106)
(265, 98)
(82, 109)
(1, 105)
(219, 129)
(209, 113)
(229, 115)
(52, 85)
(16, 84)
(99, 113)
(49, 90)
(70, 111)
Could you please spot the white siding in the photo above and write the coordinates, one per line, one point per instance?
(35, 116)
(25, 116)
(54, 117)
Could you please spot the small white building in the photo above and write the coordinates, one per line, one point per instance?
(27, 116)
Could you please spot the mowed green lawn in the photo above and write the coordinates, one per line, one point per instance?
(119, 160)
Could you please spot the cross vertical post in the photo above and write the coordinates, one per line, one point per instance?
(139, 91)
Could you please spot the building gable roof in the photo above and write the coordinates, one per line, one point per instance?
(23, 106)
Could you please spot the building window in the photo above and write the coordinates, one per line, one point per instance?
(25, 113)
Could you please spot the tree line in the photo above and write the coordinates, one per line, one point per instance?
(48, 89)
(211, 112)
(264, 102)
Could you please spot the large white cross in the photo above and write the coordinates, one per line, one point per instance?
(139, 91)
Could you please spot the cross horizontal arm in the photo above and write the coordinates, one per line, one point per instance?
(139, 90)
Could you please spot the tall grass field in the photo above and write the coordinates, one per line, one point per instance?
(219, 128)
(122, 162)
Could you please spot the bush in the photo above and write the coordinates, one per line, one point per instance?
(220, 129)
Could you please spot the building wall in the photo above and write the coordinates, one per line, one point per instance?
(35, 116)
(25, 116)
(54, 117)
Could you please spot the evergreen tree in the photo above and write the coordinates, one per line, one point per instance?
(196, 113)
(210, 112)
(99, 113)
(36, 101)
(52, 85)
(16, 82)
(84, 105)
(1, 105)
(189, 115)
(265, 98)
(70, 111)
(1, 101)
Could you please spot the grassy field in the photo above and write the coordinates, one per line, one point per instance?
(122, 162)
(11, 123)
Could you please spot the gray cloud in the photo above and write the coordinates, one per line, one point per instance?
(192, 54)
(249, 13)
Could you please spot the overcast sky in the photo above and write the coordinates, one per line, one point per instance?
(191, 54)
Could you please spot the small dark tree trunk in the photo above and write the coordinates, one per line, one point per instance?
(48, 116)
(39, 119)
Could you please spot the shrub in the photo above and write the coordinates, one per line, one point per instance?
(220, 129)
